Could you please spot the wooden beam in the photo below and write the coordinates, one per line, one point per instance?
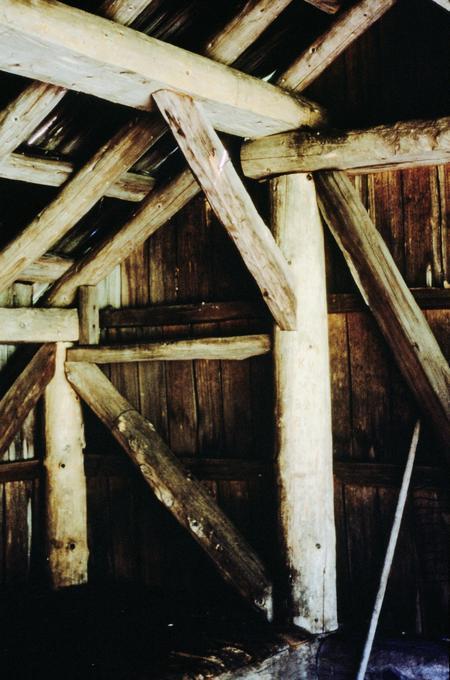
(24, 393)
(384, 147)
(328, 6)
(55, 173)
(325, 49)
(71, 48)
(227, 195)
(399, 317)
(48, 267)
(175, 488)
(303, 414)
(88, 313)
(65, 487)
(243, 29)
(123, 11)
(75, 199)
(18, 119)
(231, 348)
(38, 325)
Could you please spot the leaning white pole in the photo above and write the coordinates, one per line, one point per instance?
(389, 553)
(303, 401)
(67, 548)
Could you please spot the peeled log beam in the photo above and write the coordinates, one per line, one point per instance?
(38, 325)
(77, 197)
(233, 348)
(24, 393)
(71, 48)
(49, 267)
(174, 487)
(325, 49)
(384, 147)
(328, 6)
(53, 173)
(303, 414)
(123, 11)
(228, 197)
(244, 29)
(402, 323)
(65, 487)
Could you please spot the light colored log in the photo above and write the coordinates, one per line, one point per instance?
(38, 325)
(233, 348)
(75, 199)
(20, 117)
(328, 6)
(24, 393)
(303, 405)
(400, 319)
(384, 147)
(88, 313)
(227, 195)
(53, 173)
(325, 49)
(123, 11)
(65, 487)
(71, 48)
(48, 267)
(244, 29)
(443, 3)
(174, 487)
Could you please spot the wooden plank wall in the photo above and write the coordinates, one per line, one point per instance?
(224, 409)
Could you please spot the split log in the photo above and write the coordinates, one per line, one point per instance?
(174, 487)
(24, 393)
(75, 199)
(244, 29)
(65, 489)
(325, 49)
(20, 117)
(228, 197)
(303, 414)
(232, 348)
(384, 147)
(89, 318)
(38, 325)
(398, 315)
(37, 35)
(328, 6)
(53, 173)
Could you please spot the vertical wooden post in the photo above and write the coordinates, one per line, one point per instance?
(88, 315)
(304, 436)
(67, 549)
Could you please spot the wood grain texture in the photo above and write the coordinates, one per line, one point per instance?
(65, 488)
(384, 147)
(48, 267)
(228, 197)
(123, 11)
(68, 47)
(400, 319)
(88, 315)
(328, 6)
(24, 393)
(38, 325)
(174, 488)
(303, 413)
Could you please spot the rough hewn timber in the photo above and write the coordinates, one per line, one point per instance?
(24, 393)
(303, 414)
(69, 47)
(175, 488)
(88, 315)
(228, 197)
(325, 49)
(402, 323)
(328, 6)
(384, 147)
(38, 325)
(65, 482)
(48, 267)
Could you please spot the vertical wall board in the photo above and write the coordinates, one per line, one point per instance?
(17, 504)
(340, 385)
(99, 530)
(369, 389)
(344, 585)
(152, 386)
(194, 251)
(386, 209)
(123, 526)
(262, 406)
(444, 200)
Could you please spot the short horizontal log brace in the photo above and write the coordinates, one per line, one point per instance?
(233, 348)
(384, 147)
(23, 324)
(175, 487)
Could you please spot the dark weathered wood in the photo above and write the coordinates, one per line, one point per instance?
(401, 321)
(175, 489)
(24, 393)
(227, 195)
(38, 34)
(38, 325)
(407, 144)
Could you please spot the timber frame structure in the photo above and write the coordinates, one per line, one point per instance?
(168, 94)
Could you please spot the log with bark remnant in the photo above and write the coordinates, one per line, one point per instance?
(174, 487)
(384, 147)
